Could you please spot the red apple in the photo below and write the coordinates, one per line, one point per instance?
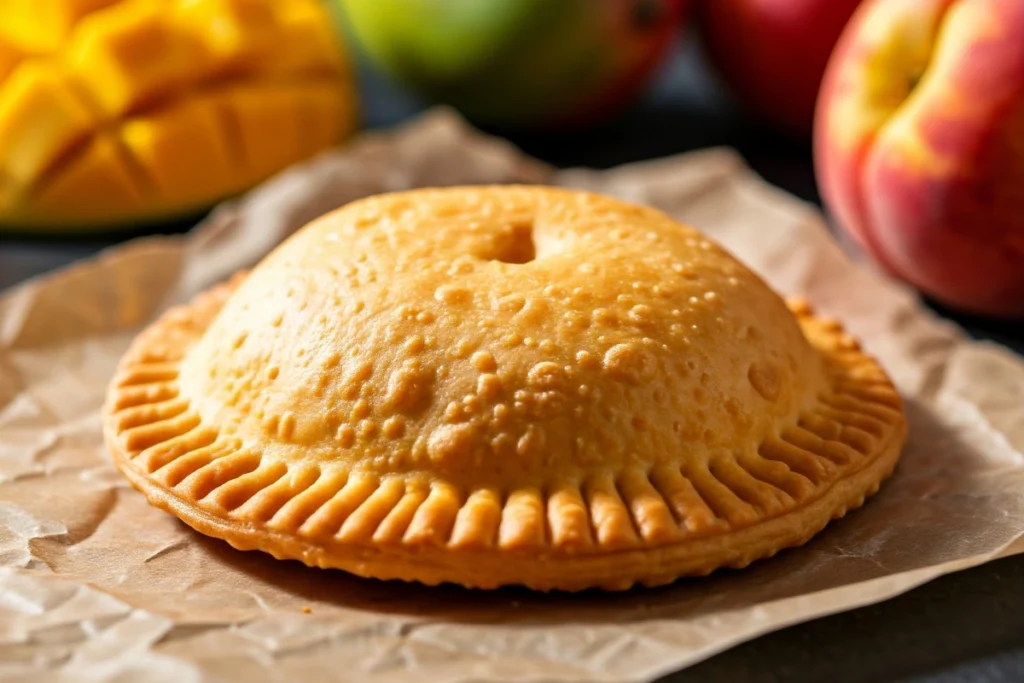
(919, 145)
(772, 53)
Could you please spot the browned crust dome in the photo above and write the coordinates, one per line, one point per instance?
(496, 386)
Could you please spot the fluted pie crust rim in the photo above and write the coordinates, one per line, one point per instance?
(639, 527)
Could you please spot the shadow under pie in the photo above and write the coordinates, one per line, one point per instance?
(882, 539)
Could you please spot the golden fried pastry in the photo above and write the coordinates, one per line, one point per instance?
(503, 385)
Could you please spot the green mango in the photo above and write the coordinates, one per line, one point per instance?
(517, 62)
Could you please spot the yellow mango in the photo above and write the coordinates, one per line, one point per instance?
(194, 173)
(237, 33)
(120, 112)
(324, 115)
(9, 58)
(40, 118)
(307, 41)
(42, 25)
(133, 56)
(97, 180)
(267, 121)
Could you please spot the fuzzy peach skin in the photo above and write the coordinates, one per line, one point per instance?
(772, 53)
(919, 145)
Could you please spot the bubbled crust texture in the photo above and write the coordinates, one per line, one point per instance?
(399, 335)
(503, 385)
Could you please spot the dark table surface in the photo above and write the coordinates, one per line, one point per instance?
(967, 626)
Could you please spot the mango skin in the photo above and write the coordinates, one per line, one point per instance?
(518, 63)
(919, 146)
(118, 113)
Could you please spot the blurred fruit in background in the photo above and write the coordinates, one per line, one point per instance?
(772, 53)
(126, 111)
(919, 145)
(518, 63)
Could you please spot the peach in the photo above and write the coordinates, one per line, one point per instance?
(772, 53)
(919, 145)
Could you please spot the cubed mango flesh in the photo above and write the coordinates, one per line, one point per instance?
(129, 111)
(42, 25)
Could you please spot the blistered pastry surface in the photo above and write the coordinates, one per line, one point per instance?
(399, 419)
(401, 334)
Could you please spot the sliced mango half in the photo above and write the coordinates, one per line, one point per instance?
(124, 112)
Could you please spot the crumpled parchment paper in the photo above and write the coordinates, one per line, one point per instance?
(95, 585)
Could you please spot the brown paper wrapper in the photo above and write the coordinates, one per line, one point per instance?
(95, 585)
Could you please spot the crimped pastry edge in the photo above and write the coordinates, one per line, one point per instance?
(627, 550)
